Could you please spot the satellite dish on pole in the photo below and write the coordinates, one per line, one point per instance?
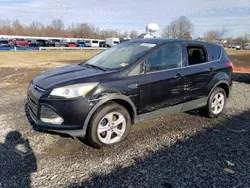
(152, 28)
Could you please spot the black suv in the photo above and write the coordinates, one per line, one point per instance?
(134, 81)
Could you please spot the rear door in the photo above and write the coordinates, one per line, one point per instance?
(199, 71)
(162, 85)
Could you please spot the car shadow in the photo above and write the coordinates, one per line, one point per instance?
(215, 157)
(17, 161)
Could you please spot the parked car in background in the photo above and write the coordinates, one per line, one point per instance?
(71, 44)
(19, 42)
(112, 41)
(88, 43)
(236, 46)
(124, 40)
(81, 44)
(92, 43)
(4, 43)
(38, 42)
(247, 47)
(138, 80)
(56, 43)
(102, 44)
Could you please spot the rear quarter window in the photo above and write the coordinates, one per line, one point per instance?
(214, 52)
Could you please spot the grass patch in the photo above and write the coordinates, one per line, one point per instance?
(29, 59)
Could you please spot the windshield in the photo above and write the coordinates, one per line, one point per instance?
(120, 55)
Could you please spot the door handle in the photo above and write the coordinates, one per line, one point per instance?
(211, 69)
(178, 75)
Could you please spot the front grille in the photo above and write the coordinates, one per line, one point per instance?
(33, 106)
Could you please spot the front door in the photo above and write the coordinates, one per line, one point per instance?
(162, 85)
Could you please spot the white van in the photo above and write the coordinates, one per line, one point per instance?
(112, 41)
(92, 42)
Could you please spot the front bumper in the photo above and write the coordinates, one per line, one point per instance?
(50, 128)
(73, 112)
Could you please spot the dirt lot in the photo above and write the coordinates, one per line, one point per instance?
(21, 67)
(240, 57)
(182, 150)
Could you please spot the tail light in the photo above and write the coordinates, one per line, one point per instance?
(230, 65)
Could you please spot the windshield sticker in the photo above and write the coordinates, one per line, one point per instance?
(124, 64)
(150, 45)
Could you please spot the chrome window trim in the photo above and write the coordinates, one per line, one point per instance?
(184, 67)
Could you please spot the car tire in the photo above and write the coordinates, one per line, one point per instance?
(103, 131)
(216, 103)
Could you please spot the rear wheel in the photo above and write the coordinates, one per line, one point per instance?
(109, 125)
(216, 103)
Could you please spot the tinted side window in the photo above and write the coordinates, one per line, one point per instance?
(165, 58)
(214, 52)
(196, 55)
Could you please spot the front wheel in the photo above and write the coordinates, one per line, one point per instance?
(216, 103)
(109, 125)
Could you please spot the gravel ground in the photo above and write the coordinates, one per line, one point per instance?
(181, 150)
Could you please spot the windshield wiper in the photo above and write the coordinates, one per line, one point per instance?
(94, 66)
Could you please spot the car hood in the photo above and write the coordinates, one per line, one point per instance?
(67, 75)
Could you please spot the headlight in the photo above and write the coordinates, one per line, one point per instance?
(73, 91)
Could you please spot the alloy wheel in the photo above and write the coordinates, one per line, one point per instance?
(218, 103)
(111, 128)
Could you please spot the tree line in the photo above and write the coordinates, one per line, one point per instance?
(57, 28)
(181, 27)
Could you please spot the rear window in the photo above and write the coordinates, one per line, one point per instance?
(214, 52)
(196, 55)
(94, 41)
(116, 42)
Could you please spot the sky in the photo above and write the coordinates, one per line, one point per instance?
(234, 15)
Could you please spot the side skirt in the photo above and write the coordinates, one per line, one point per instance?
(191, 105)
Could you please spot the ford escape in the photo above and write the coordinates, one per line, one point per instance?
(134, 81)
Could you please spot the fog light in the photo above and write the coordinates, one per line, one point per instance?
(50, 116)
(57, 120)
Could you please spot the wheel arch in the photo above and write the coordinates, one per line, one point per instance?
(222, 84)
(119, 99)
